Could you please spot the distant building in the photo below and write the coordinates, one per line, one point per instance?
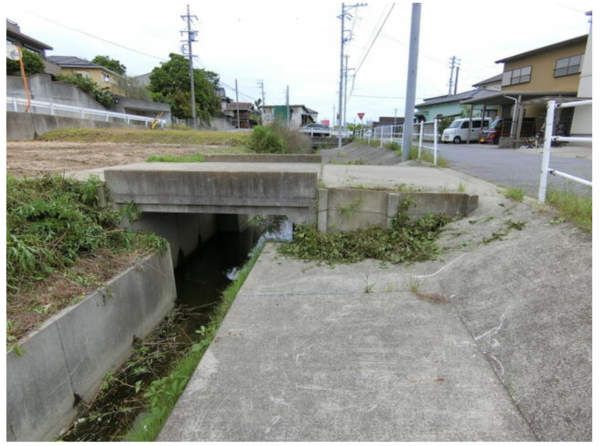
(248, 115)
(15, 37)
(299, 115)
(388, 120)
(81, 67)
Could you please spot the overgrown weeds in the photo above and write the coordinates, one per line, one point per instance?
(404, 241)
(515, 193)
(572, 207)
(53, 222)
(427, 156)
(277, 138)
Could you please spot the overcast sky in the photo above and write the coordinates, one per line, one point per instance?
(297, 43)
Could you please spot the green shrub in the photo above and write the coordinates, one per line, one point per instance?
(265, 139)
(34, 64)
(102, 95)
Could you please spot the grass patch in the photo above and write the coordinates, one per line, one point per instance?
(404, 241)
(145, 136)
(55, 226)
(427, 156)
(163, 393)
(572, 207)
(276, 138)
(515, 193)
(195, 158)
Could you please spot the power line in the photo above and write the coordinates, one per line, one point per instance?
(369, 49)
(95, 37)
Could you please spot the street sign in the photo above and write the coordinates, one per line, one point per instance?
(360, 116)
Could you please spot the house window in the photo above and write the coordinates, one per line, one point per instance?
(106, 77)
(568, 65)
(518, 76)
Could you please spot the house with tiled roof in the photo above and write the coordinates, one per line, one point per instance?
(248, 115)
(82, 67)
(15, 37)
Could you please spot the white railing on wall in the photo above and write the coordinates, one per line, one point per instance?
(393, 133)
(549, 139)
(83, 113)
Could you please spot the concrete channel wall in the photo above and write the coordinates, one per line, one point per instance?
(263, 158)
(29, 126)
(349, 209)
(64, 362)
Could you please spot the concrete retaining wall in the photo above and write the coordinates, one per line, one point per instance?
(263, 158)
(29, 126)
(65, 361)
(351, 209)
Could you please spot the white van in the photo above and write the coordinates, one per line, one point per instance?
(459, 130)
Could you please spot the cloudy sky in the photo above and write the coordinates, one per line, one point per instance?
(297, 44)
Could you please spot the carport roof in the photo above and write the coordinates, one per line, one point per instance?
(502, 97)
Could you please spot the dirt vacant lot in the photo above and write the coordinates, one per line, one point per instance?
(34, 158)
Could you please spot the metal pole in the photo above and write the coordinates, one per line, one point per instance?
(435, 141)
(546, 154)
(411, 87)
(341, 95)
(190, 39)
(237, 105)
(345, 89)
(456, 79)
(287, 106)
(452, 60)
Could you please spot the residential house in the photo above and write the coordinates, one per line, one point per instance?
(298, 115)
(15, 37)
(81, 67)
(582, 116)
(248, 115)
(388, 120)
(450, 105)
(531, 79)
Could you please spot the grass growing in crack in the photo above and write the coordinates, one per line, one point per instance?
(405, 241)
(515, 193)
(368, 286)
(415, 284)
(164, 393)
(461, 187)
(195, 158)
(572, 207)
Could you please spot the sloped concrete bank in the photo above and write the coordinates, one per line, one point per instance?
(64, 362)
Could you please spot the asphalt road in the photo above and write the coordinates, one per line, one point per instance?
(514, 168)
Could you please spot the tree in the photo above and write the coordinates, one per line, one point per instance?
(131, 88)
(33, 63)
(170, 83)
(102, 95)
(111, 64)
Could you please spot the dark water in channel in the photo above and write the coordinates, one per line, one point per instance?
(208, 271)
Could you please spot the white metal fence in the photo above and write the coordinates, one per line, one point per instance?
(19, 104)
(385, 134)
(549, 138)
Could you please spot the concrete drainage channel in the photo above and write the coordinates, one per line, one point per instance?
(65, 361)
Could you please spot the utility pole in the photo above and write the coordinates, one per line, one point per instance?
(237, 105)
(452, 63)
(411, 84)
(187, 51)
(261, 84)
(346, 89)
(456, 79)
(287, 105)
(345, 15)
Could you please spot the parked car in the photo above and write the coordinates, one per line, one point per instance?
(459, 132)
(315, 129)
(501, 127)
(492, 134)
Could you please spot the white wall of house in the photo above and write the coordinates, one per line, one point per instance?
(582, 117)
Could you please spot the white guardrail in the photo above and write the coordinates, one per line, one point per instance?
(82, 112)
(393, 133)
(549, 138)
